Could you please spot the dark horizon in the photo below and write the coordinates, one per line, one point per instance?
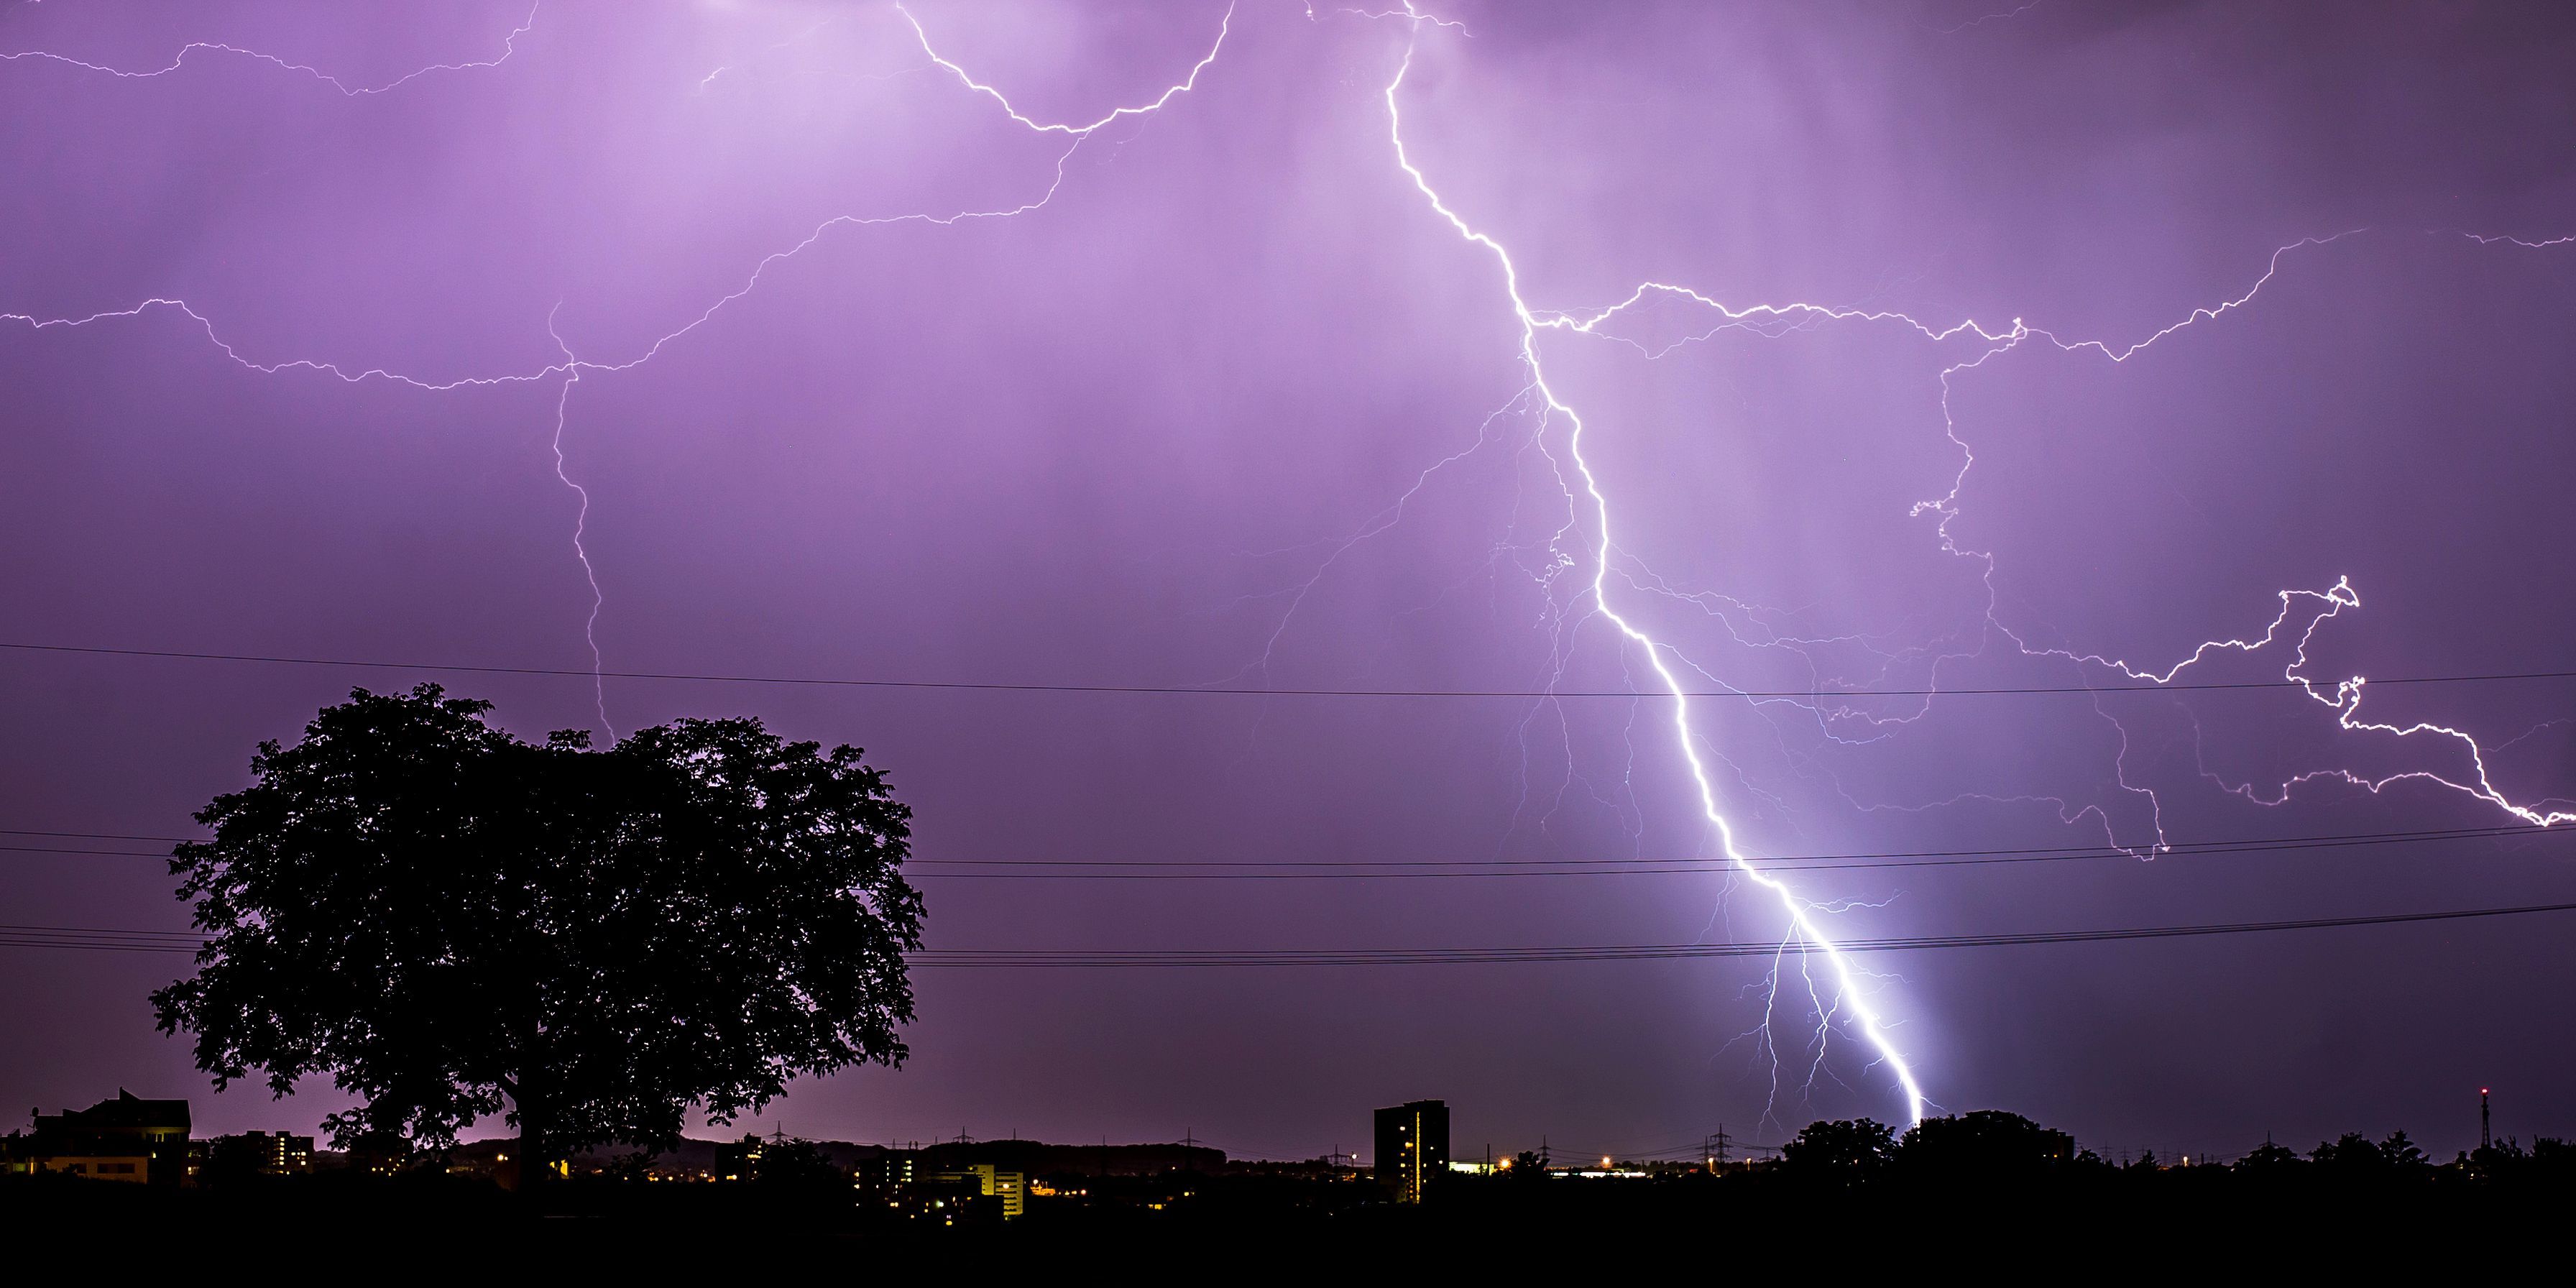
(1043, 367)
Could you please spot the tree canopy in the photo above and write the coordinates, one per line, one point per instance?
(1984, 1142)
(453, 923)
(1844, 1152)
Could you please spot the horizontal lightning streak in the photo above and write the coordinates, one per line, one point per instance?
(2346, 696)
(1224, 25)
(509, 46)
(570, 366)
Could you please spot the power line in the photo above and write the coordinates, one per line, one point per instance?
(103, 854)
(103, 939)
(1655, 952)
(1803, 862)
(1390, 869)
(2176, 847)
(97, 836)
(1209, 691)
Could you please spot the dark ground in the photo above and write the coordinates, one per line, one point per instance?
(2210, 1224)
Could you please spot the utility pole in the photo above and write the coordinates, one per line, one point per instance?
(2486, 1136)
(1716, 1148)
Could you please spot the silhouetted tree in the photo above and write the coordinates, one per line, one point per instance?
(2350, 1155)
(1987, 1144)
(447, 919)
(1845, 1152)
(796, 1164)
(2399, 1154)
(1527, 1167)
(2270, 1160)
(2505, 1160)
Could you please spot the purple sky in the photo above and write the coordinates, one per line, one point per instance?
(1233, 405)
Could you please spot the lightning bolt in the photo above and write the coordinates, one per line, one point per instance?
(509, 46)
(1803, 916)
(1667, 662)
(580, 524)
(775, 46)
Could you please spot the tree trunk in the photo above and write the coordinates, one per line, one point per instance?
(536, 1124)
(525, 1170)
(530, 1175)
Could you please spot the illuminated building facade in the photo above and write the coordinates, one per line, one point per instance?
(893, 1169)
(995, 1183)
(1412, 1146)
(259, 1153)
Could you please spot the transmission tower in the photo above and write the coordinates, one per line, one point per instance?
(1716, 1148)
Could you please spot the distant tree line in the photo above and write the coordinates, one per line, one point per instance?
(1992, 1146)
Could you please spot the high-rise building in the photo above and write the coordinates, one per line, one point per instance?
(891, 1170)
(250, 1153)
(1412, 1146)
(1011, 1187)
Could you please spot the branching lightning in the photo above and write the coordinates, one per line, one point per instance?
(1667, 660)
(2344, 696)
(571, 368)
